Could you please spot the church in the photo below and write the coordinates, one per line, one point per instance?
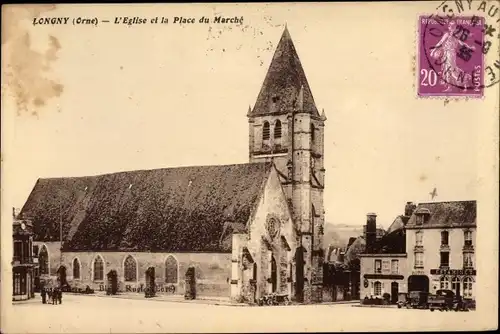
(241, 231)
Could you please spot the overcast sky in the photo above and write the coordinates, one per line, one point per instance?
(153, 96)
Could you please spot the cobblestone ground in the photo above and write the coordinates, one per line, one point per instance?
(91, 314)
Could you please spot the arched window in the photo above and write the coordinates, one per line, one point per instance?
(43, 260)
(130, 268)
(98, 269)
(467, 290)
(76, 269)
(277, 129)
(313, 132)
(266, 131)
(171, 270)
(377, 288)
(444, 283)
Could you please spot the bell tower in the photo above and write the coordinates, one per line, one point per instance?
(285, 127)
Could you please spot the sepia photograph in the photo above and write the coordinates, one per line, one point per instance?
(250, 167)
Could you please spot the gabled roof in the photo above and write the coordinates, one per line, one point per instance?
(171, 209)
(285, 86)
(398, 223)
(356, 248)
(446, 214)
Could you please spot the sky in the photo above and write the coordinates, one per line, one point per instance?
(114, 98)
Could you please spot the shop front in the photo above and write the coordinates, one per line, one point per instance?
(23, 283)
(23, 261)
(460, 281)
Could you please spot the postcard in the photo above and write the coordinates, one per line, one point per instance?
(265, 167)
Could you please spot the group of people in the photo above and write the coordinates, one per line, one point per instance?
(54, 296)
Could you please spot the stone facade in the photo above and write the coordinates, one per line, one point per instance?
(212, 270)
(285, 127)
(262, 259)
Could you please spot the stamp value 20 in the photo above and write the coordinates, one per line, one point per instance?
(450, 56)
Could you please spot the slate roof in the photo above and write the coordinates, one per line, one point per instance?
(392, 243)
(283, 82)
(447, 214)
(182, 209)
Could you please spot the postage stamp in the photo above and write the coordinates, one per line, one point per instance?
(450, 57)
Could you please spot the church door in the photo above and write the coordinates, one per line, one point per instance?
(61, 275)
(274, 275)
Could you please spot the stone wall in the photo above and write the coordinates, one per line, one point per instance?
(213, 271)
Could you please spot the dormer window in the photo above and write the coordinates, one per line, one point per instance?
(266, 131)
(422, 216)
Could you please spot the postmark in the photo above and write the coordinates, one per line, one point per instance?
(458, 50)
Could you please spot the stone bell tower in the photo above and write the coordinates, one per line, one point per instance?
(286, 127)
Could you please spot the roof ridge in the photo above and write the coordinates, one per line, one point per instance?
(151, 169)
(472, 200)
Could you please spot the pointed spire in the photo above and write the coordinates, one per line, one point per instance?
(286, 32)
(323, 116)
(285, 75)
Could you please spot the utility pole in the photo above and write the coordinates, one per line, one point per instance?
(60, 234)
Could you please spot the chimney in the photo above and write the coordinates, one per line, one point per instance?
(371, 232)
(15, 213)
(409, 208)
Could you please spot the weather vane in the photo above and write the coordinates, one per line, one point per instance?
(433, 193)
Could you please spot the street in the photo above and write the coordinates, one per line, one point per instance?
(91, 314)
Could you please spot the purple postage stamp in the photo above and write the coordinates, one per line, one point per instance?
(450, 60)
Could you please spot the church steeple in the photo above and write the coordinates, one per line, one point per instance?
(283, 82)
(286, 128)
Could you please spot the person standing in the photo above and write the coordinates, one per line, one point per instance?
(49, 294)
(54, 296)
(44, 295)
(59, 295)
